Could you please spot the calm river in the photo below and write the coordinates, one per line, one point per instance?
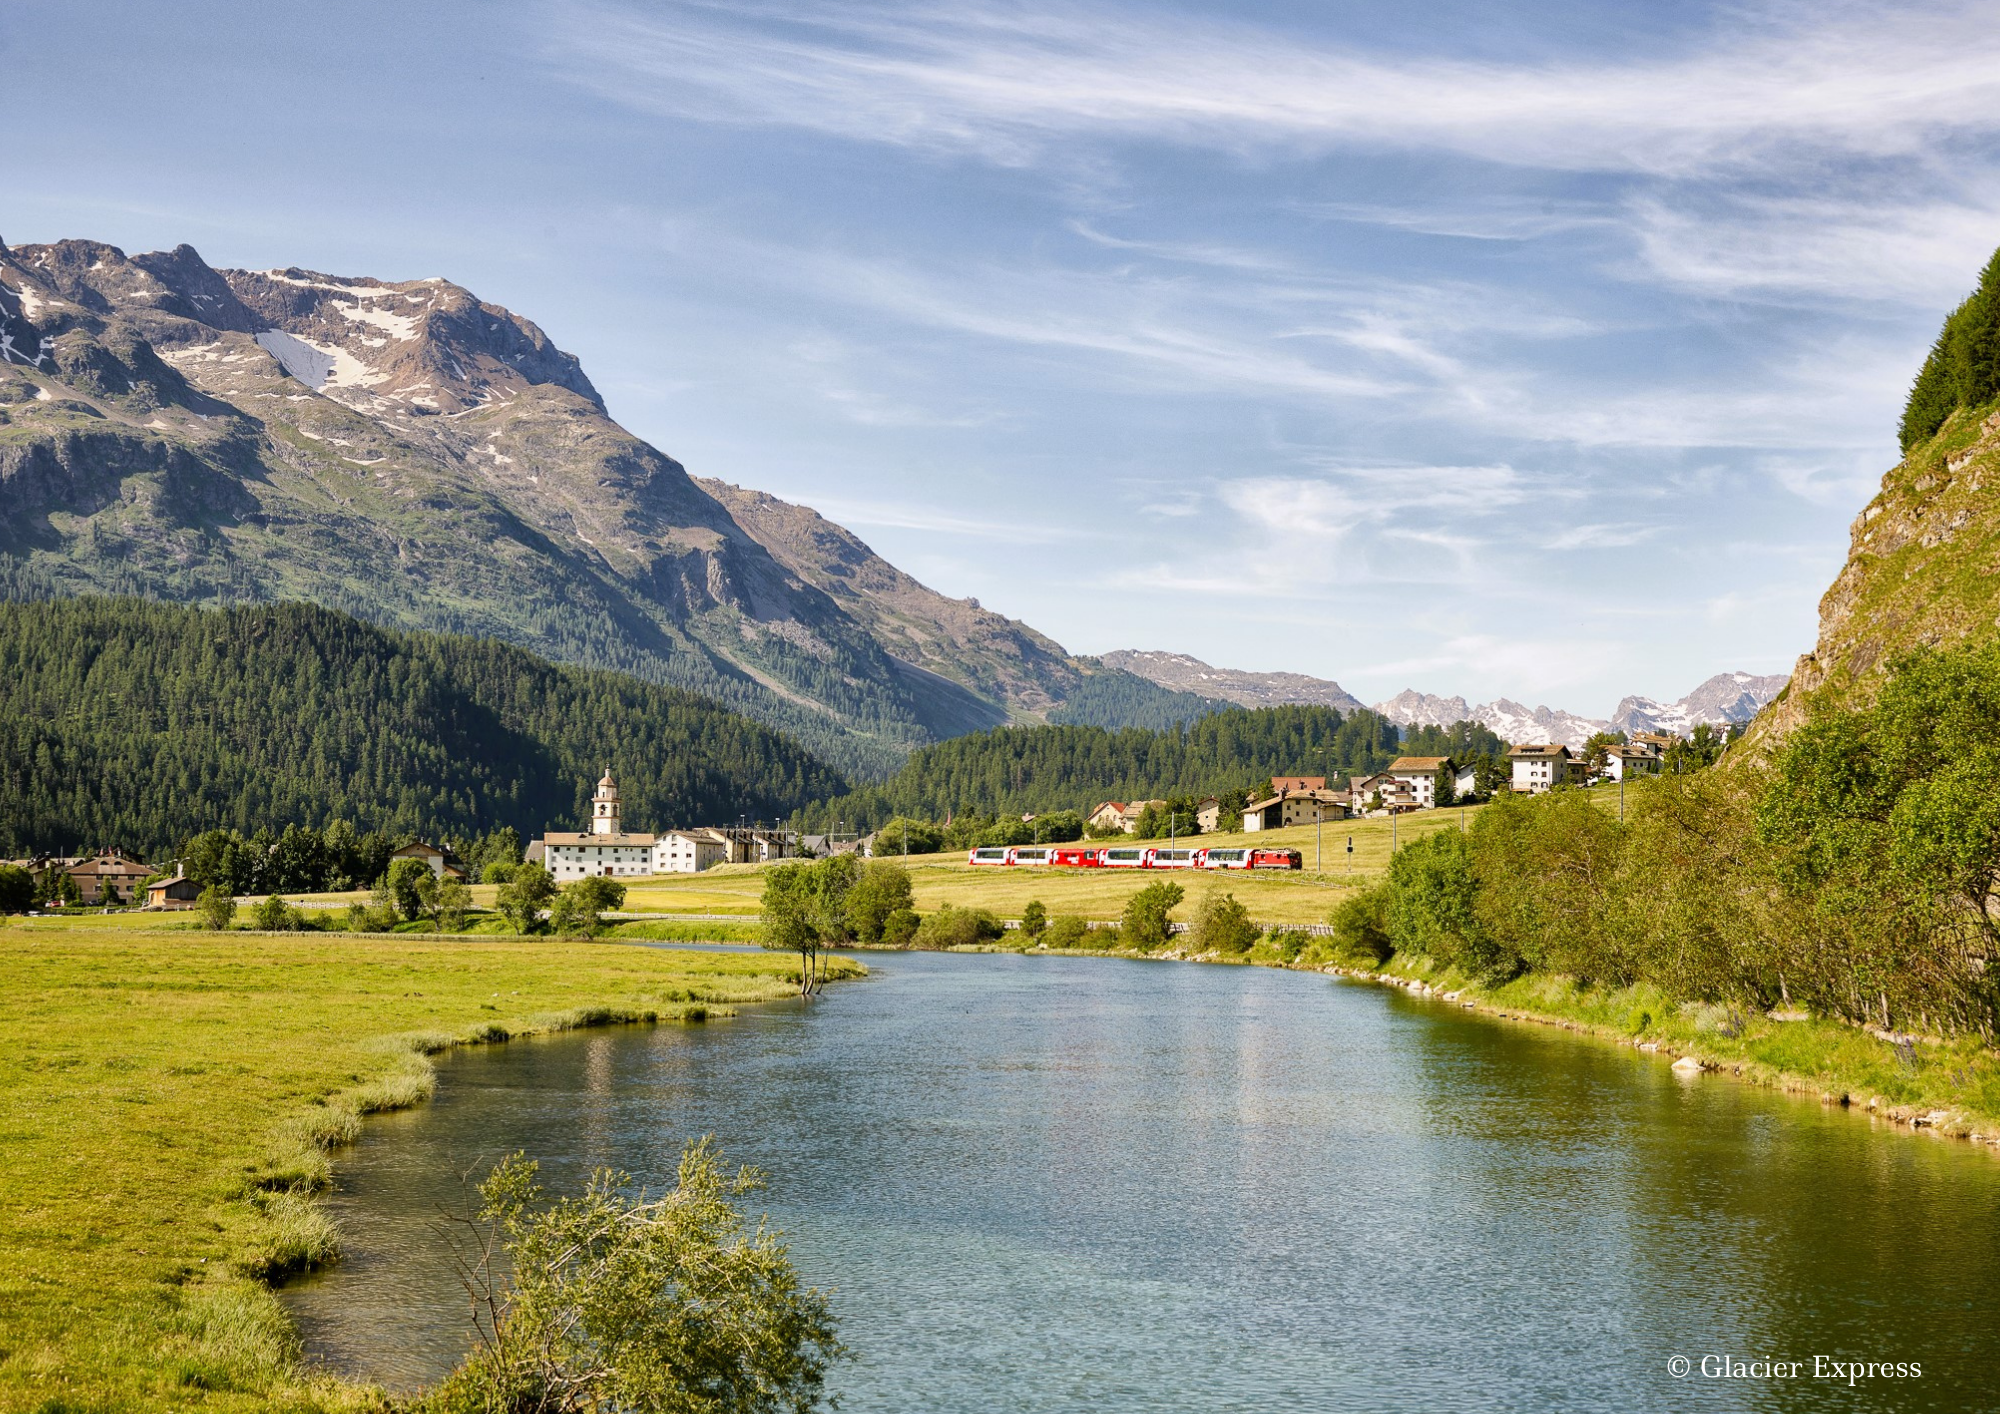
(1059, 1184)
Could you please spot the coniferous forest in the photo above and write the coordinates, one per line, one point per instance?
(136, 724)
(1012, 770)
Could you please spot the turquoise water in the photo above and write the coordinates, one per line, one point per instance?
(1060, 1184)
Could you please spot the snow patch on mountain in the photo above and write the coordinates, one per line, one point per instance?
(1510, 721)
(1723, 700)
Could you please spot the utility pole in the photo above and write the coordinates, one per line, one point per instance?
(1319, 837)
(1350, 854)
(1392, 830)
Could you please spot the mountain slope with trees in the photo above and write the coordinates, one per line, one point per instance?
(1919, 570)
(138, 724)
(1017, 770)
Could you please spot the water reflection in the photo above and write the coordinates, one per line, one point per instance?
(1079, 1184)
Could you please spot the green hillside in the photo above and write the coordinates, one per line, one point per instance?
(1018, 769)
(1920, 566)
(129, 723)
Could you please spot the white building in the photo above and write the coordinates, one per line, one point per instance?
(1538, 768)
(1624, 763)
(608, 850)
(1419, 773)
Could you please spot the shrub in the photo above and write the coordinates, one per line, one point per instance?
(498, 872)
(881, 890)
(522, 898)
(17, 889)
(1066, 930)
(1361, 929)
(1287, 943)
(453, 901)
(1222, 925)
(273, 915)
(1034, 920)
(903, 835)
(899, 929)
(215, 907)
(412, 885)
(953, 927)
(619, 1299)
(579, 906)
(1144, 925)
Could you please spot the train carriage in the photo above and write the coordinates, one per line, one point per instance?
(1125, 858)
(991, 854)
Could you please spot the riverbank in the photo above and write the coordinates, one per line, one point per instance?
(167, 1103)
(1922, 1083)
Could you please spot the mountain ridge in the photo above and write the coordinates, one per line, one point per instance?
(408, 453)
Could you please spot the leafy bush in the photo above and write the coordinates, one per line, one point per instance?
(1361, 929)
(1222, 925)
(1034, 920)
(413, 886)
(1066, 930)
(1144, 925)
(881, 890)
(899, 929)
(215, 908)
(523, 897)
(1287, 944)
(17, 889)
(578, 906)
(499, 872)
(951, 927)
(622, 1300)
(274, 915)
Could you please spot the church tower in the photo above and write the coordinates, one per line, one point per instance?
(604, 807)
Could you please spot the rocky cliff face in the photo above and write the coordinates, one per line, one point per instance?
(409, 453)
(1923, 568)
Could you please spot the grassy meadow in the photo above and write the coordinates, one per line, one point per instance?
(168, 1098)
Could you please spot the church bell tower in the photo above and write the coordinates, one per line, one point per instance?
(604, 807)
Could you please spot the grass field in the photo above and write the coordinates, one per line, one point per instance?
(160, 1088)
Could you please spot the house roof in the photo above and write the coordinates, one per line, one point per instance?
(1544, 750)
(1426, 764)
(1103, 806)
(1283, 784)
(1641, 750)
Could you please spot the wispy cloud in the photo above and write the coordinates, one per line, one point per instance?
(1855, 80)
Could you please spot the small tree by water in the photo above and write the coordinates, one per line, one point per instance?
(620, 1300)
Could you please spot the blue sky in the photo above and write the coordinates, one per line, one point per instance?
(1542, 351)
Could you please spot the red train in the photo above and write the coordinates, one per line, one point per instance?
(1135, 857)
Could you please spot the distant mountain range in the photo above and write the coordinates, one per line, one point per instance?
(1725, 698)
(415, 456)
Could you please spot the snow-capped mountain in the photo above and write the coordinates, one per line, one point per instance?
(1723, 699)
(1510, 721)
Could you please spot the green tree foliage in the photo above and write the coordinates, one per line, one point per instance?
(1066, 930)
(143, 724)
(902, 835)
(1221, 925)
(1034, 920)
(1360, 925)
(17, 889)
(881, 891)
(620, 1300)
(1012, 771)
(215, 908)
(1461, 741)
(453, 902)
(1963, 369)
(1444, 787)
(413, 886)
(580, 905)
(805, 910)
(523, 897)
(274, 915)
(952, 927)
(1144, 924)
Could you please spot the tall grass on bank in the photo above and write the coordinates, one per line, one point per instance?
(172, 1101)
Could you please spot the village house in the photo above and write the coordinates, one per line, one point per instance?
(1208, 815)
(174, 893)
(1296, 807)
(1659, 741)
(1392, 792)
(109, 878)
(440, 862)
(1287, 785)
(1624, 763)
(1420, 773)
(1120, 814)
(1539, 768)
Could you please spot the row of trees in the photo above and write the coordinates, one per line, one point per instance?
(1854, 874)
(301, 859)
